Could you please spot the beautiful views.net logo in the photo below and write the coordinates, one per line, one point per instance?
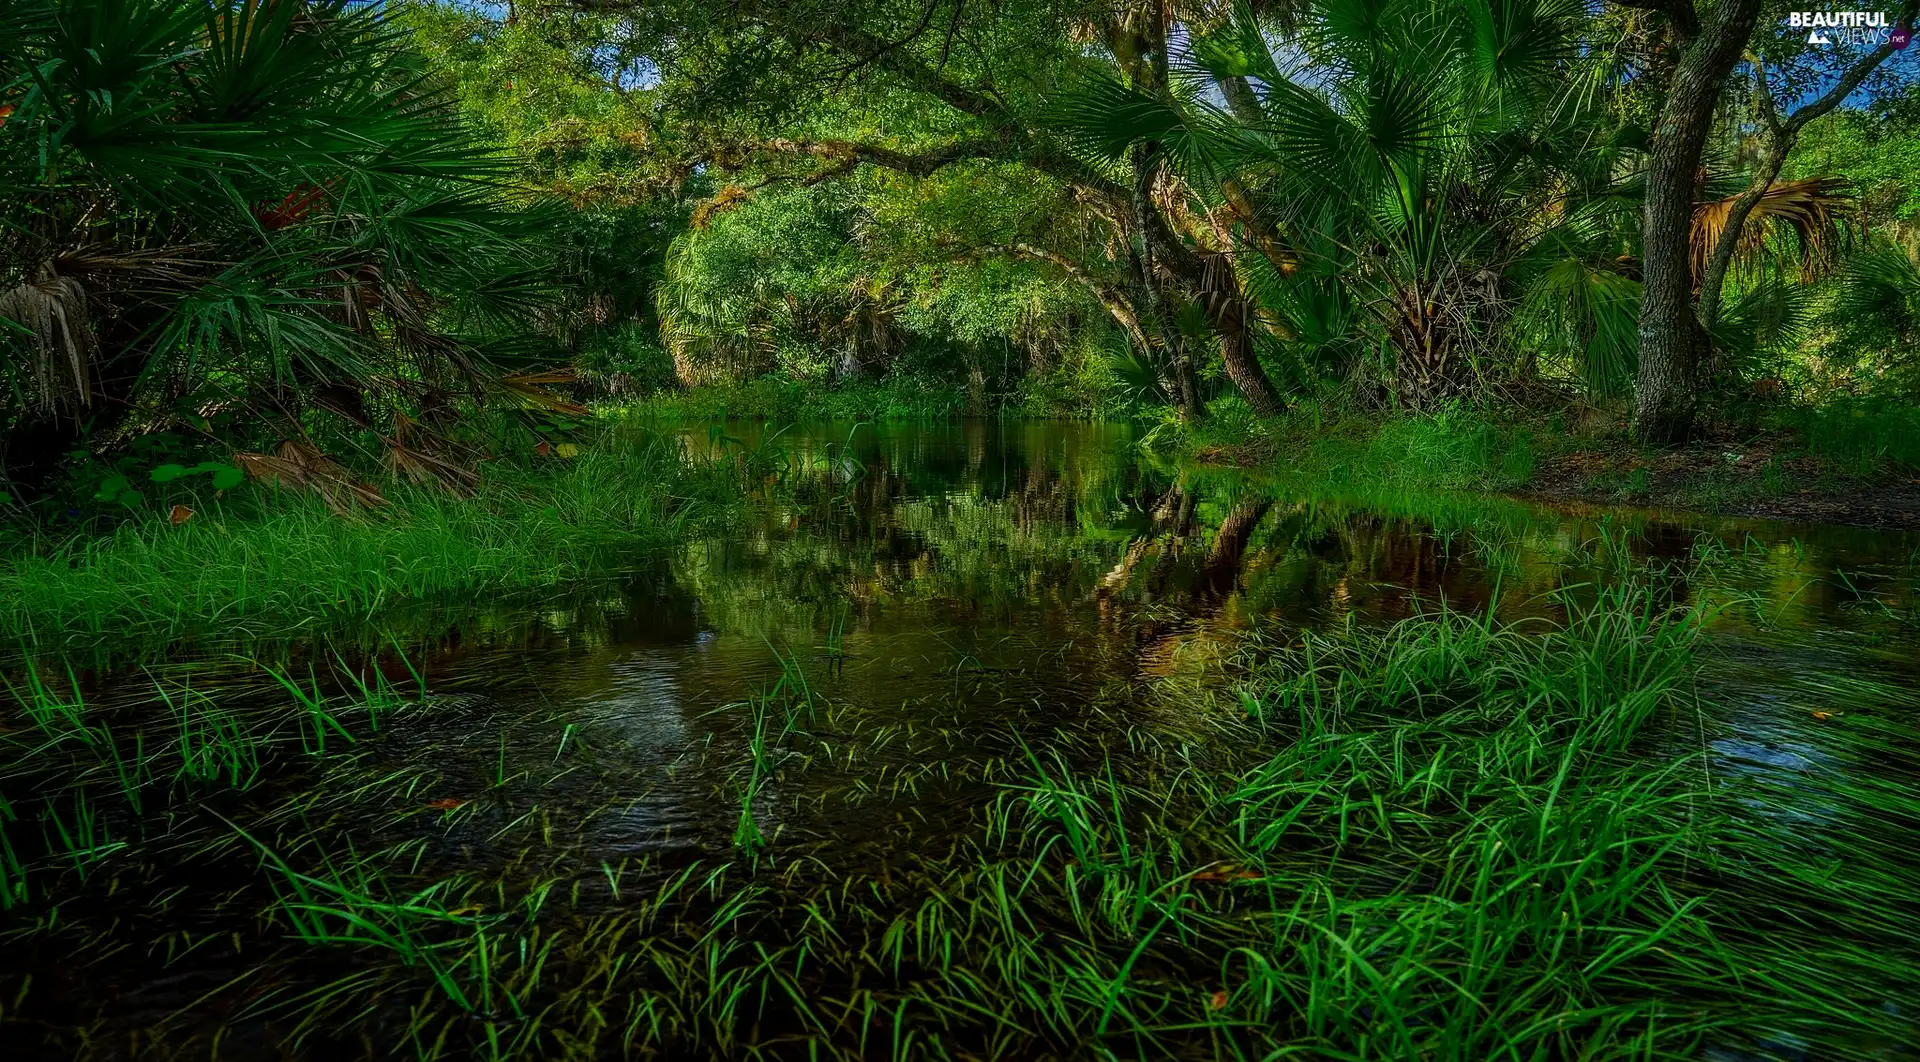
(1869, 28)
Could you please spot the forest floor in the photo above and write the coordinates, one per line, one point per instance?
(1769, 478)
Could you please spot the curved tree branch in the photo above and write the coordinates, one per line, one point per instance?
(1782, 135)
(1110, 295)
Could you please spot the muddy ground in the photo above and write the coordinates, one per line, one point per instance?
(1757, 478)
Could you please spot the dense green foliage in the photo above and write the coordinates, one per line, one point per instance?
(318, 236)
(1389, 205)
(258, 226)
(372, 685)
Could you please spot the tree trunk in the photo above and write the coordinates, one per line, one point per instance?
(1713, 280)
(1143, 57)
(1176, 369)
(1227, 308)
(1782, 135)
(1242, 101)
(1671, 339)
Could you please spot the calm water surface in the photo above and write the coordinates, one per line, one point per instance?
(948, 585)
(956, 581)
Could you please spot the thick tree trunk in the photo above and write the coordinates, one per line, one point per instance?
(1227, 308)
(1176, 369)
(1671, 340)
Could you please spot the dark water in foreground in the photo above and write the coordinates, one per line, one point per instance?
(940, 590)
(949, 578)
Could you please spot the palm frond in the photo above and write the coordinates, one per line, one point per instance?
(1595, 314)
(1770, 313)
(1809, 210)
(1876, 301)
(300, 465)
(51, 313)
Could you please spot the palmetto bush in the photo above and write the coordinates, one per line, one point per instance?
(1427, 196)
(1408, 178)
(252, 219)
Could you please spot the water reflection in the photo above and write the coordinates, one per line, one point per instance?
(961, 580)
(950, 591)
(1067, 528)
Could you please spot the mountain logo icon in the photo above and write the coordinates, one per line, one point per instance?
(1817, 37)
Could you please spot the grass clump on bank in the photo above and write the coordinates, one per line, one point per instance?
(1457, 449)
(272, 561)
(1449, 839)
(1846, 461)
(1861, 435)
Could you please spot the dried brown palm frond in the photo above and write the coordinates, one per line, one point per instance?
(301, 465)
(531, 388)
(170, 266)
(1810, 209)
(52, 309)
(426, 459)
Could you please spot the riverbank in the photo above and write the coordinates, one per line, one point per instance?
(264, 564)
(1002, 740)
(252, 563)
(1771, 477)
(1864, 480)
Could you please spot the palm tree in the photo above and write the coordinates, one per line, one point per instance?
(265, 209)
(1414, 174)
(1875, 314)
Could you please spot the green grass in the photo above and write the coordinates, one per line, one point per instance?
(1450, 838)
(1310, 448)
(269, 565)
(1415, 461)
(1861, 435)
(215, 745)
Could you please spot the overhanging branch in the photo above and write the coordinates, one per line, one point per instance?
(1850, 80)
(1109, 295)
(842, 155)
(839, 157)
(865, 49)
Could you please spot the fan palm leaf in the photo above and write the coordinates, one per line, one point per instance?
(1809, 211)
(237, 202)
(1876, 303)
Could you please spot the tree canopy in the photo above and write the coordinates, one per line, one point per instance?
(238, 218)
